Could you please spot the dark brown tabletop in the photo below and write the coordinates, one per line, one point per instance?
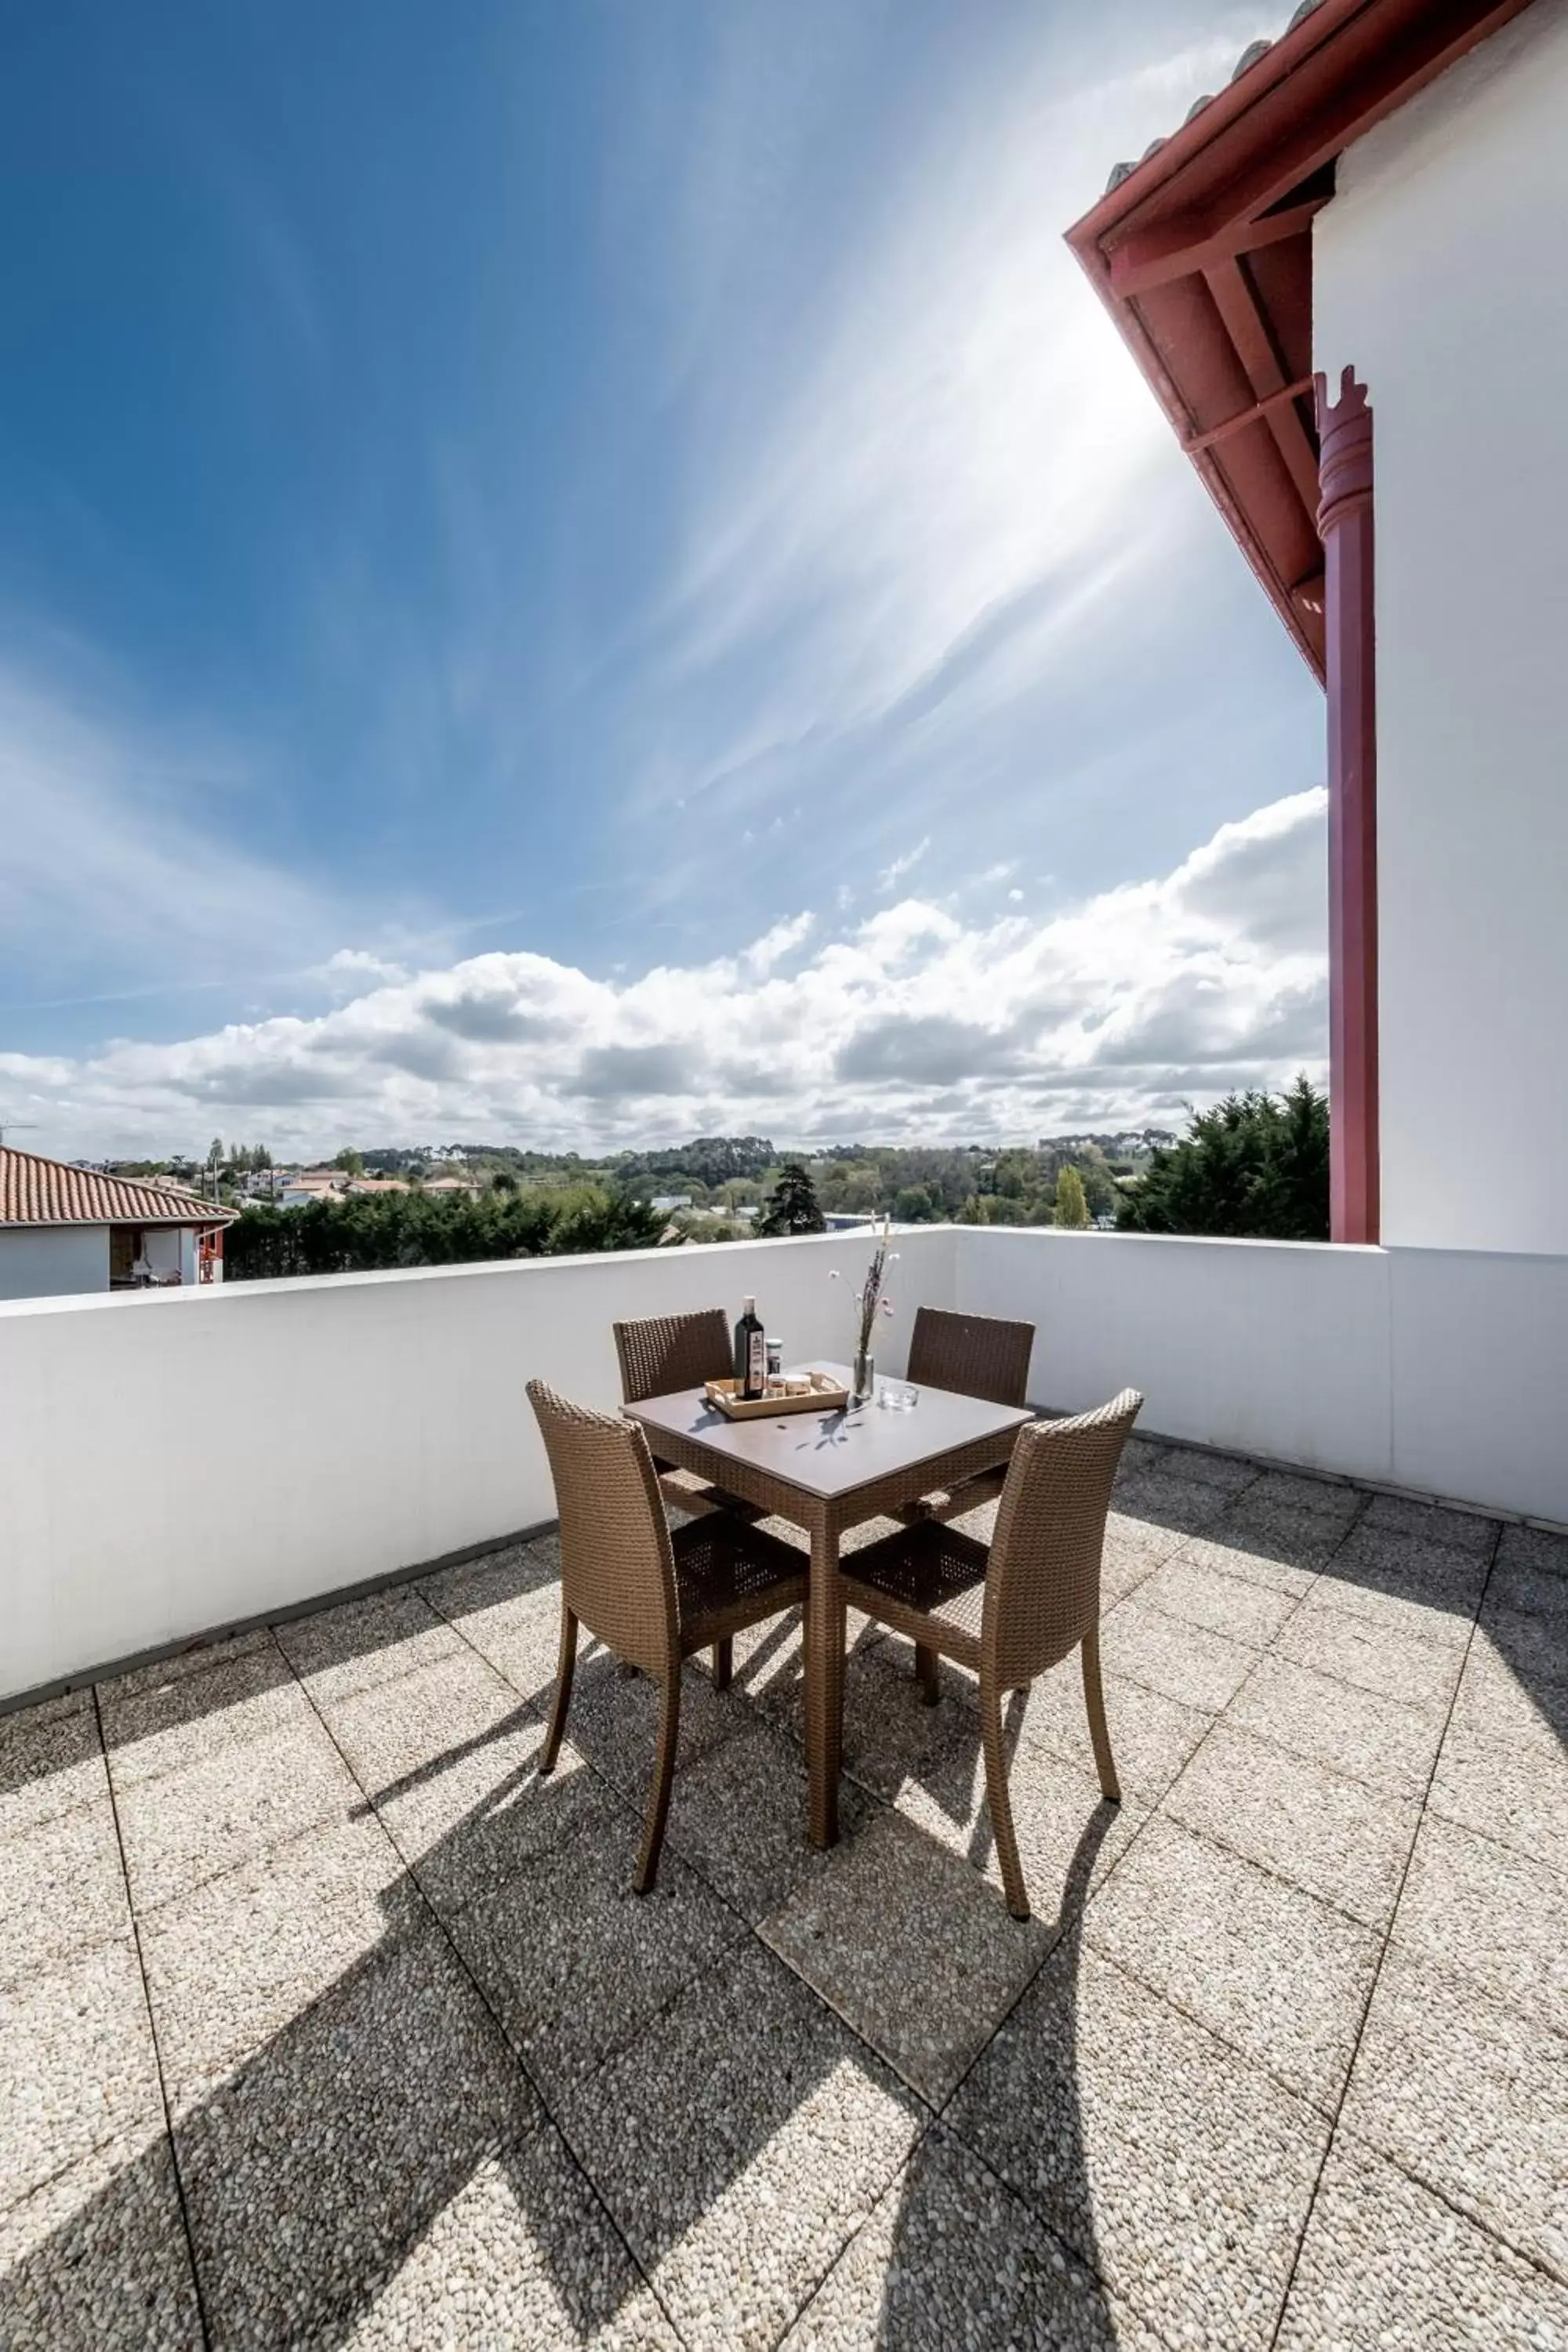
(829, 1454)
(824, 1471)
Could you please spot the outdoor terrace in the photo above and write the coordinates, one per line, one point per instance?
(326, 2022)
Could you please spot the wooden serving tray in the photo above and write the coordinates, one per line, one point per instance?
(826, 1395)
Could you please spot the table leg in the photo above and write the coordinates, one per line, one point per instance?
(824, 1684)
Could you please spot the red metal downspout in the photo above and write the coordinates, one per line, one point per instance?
(1344, 525)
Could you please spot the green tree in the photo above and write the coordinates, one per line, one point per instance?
(352, 1162)
(913, 1205)
(214, 1152)
(1072, 1208)
(793, 1206)
(1257, 1165)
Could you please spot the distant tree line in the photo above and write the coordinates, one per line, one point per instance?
(365, 1234)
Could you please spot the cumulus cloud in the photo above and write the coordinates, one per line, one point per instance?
(909, 1023)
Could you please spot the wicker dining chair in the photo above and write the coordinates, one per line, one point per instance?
(658, 1356)
(652, 1596)
(1011, 1610)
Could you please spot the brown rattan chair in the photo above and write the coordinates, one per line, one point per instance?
(1012, 1611)
(651, 1597)
(659, 1356)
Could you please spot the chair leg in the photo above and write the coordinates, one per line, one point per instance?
(927, 1671)
(564, 1664)
(658, 1795)
(1099, 1731)
(724, 1661)
(999, 1799)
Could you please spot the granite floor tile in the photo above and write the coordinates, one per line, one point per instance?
(1493, 1704)
(1341, 1841)
(240, 1959)
(1385, 2264)
(400, 1732)
(911, 1947)
(508, 1605)
(523, 2256)
(1478, 1906)
(1167, 1498)
(948, 2258)
(1141, 1454)
(1135, 1547)
(614, 1720)
(97, 2261)
(1532, 1645)
(1514, 1791)
(337, 1651)
(1389, 1659)
(890, 1736)
(325, 2160)
(740, 1818)
(62, 1889)
(1250, 1559)
(1270, 1969)
(78, 2069)
(573, 1963)
(1151, 1737)
(1470, 2098)
(1179, 2172)
(50, 1764)
(1202, 1594)
(160, 1674)
(1386, 1743)
(1531, 1570)
(1286, 1494)
(1229, 1472)
(1067, 1835)
(1430, 1527)
(1179, 1660)
(471, 1822)
(1433, 1596)
(161, 1726)
(740, 2143)
(211, 1814)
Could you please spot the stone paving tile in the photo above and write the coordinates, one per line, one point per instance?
(1230, 1472)
(1384, 2265)
(1067, 1835)
(1180, 1660)
(1517, 1793)
(523, 2256)
(49, 1763)
(76, 2067)
(1284, 1496)
(165, 1726)
(1460, 2092)
(1534, 1647)
(1151, 1737)
(318, 2166)
(1248, 1559)
(740, 1818)
(62, 1889)
(912, 1950)
(471, 1822)
(236, 1962)
(337, 1651)
(740, 2143)
(890, 1735)
(1135, 1546)
(1343, 1841)
(1433, 1595)
(1350, 1648)
(1493, 1704)
(1268, 1968)
(948, 2258)
(1479, 1908)
(97, 2261)
(614, 1721)
(1432, 1526)
(1179, 2172)
(1386, 1743)
(213, 1813)
(1165, 1497)
(573, 1962)
(1532, 1570)
(398, 1732)
(1141, 1454)
(1202, 1594)
(161, 1674)
(508, 1605)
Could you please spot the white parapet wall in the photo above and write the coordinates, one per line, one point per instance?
(177, 1460)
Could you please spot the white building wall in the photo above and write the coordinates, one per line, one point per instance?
(48, 1261)
(1439, 277)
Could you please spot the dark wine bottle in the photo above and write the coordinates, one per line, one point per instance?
(750, 1353)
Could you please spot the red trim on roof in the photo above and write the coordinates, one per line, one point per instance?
(38, 1191)
(1203, 255)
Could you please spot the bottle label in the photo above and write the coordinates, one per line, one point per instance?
(756, 1363)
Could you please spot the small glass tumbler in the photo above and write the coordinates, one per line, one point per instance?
(898, 1396)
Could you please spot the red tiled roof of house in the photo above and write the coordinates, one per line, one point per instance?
(38, 1191)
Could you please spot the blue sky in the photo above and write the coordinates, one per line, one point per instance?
(586, 511)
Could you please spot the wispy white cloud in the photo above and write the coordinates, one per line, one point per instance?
(894, 874)
(911, 1022)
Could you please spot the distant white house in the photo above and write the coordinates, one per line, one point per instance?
(65, 1229)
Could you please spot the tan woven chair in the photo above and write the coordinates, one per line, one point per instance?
(651, 1597)
(658, 1356)
(1012, 1611)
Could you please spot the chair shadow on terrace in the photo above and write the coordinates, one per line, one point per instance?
(402, 2135)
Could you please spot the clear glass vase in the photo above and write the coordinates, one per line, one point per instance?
(863, 1380)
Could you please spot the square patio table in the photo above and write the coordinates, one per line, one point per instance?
(825, 1472)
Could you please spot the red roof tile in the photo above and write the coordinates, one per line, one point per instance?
(38, 1191)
